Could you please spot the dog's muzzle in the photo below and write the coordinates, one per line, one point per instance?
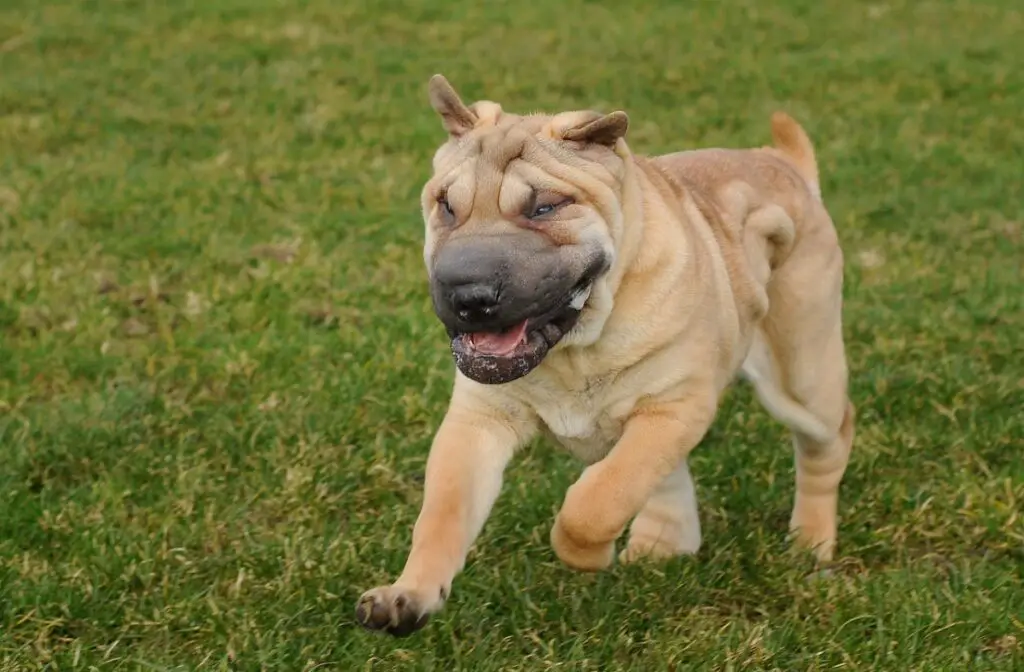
(505, 305)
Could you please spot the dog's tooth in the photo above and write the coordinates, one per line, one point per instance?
(579, 299)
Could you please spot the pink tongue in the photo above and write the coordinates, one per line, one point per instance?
(500, 344)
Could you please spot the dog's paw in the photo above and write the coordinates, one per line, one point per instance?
(578, 553)
(814, 536)
(657, 536)
(812, 525)
(822, 547)
(642, 547)
(396, 610)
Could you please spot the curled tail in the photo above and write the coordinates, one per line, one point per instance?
(791, 140)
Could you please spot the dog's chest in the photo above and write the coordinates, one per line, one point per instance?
(586, 423)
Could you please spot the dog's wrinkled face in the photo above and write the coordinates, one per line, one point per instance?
(522, 214)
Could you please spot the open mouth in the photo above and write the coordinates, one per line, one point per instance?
(503, 356)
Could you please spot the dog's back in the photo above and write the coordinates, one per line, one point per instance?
(732, 185)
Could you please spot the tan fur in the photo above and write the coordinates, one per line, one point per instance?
(726, 262)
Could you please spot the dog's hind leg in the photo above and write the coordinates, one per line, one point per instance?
(797, 364)
(668, 525)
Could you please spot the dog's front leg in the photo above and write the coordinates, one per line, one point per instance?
(463, 478)
(656, 440)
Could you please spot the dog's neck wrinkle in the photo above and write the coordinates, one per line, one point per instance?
(630, 260)
(639, 259)
(632, 225)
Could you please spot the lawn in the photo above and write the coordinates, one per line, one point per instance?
(220, 373)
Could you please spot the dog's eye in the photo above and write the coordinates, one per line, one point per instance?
(446, 207)
(542, 210)
(547, 208)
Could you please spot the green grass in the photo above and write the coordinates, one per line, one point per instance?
(220, 374)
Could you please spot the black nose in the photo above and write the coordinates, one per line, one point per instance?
(475, 301)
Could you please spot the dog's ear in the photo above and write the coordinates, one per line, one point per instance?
(603, 129)
(455, 116)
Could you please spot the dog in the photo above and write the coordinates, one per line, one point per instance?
(608, 299)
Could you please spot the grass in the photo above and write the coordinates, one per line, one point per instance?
(219, 372)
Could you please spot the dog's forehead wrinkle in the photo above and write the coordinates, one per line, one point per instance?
(454, 155)
(503, 145)
(499, 147)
